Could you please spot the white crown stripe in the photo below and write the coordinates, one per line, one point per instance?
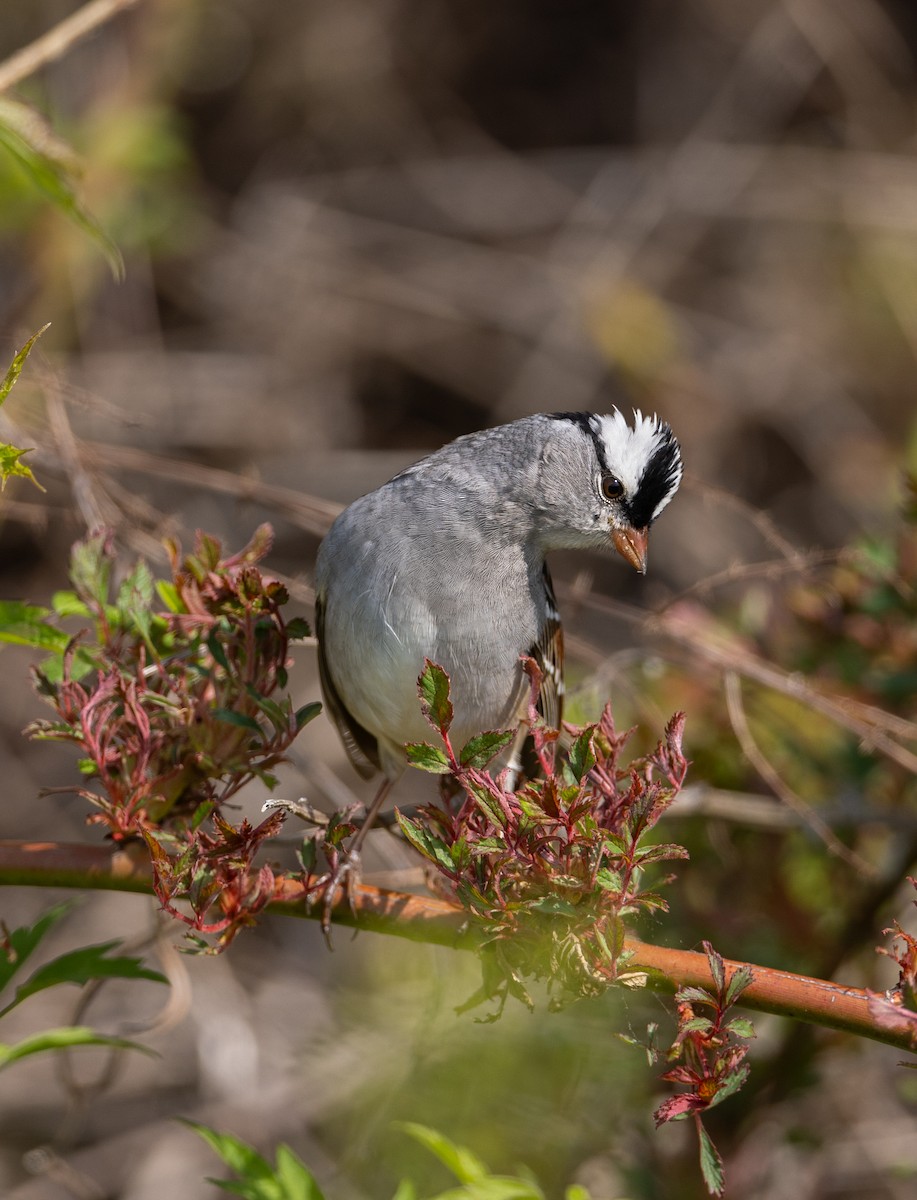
(630, 449)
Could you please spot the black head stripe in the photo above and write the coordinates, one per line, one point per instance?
(589, 424)
(659, 480)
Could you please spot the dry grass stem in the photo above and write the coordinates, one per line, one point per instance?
(775, 780)
(58, 41)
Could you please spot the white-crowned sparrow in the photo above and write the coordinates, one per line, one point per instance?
(447, 561)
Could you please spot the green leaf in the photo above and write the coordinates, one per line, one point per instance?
(530, 808)
(743, 976)
(711, 1164)
(427, 757)
(582, 755)
(26, 625)
(290, 1179)
(405, 1191)
(231, 717)
(423, 841)
(135, 600)
(22, 941)
(661, 852)
(479, 750)
(695, 1024)
(717, 967)
(433, 688)
(79, 966)
(90, 568)
(731, 1084)
(610, 881)
(488, 845)
(614, 844)
(215, 646)
(693, 995)
(576, 1191)
(236, 1154)
(296, 1181)
(308, 855)
(63, 1039)
(12, 466)
(15, 367)
(53, 731)
(487, 804)
(741, 1027)
(68, 604)
(201, 813)
(464, 1165)
(51, 165)
(168, 594)
(494, 1187)
(275, 713)
(297, 629)
(307, 713)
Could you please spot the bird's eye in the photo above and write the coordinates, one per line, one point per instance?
(612, 487)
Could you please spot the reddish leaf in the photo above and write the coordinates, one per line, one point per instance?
(435, 704)
(676, 1107)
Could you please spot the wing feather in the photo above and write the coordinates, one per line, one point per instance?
(548, 652)
(361, 746)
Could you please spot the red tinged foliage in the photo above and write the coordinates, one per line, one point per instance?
(554, 866)
(174, 711)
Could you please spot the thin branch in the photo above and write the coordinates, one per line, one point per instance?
(692, 629)
(430, 920)
(775, 780)
(93, 510)
(727, 653)
(308, 512)
(57, 41)
(783, 993)
(770, 570)
(756, 517)
(107, 868)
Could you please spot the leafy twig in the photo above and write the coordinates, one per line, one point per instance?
(430, 920)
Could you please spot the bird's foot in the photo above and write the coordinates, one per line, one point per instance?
(346, 875)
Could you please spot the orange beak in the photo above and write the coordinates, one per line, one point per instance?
(632, 545)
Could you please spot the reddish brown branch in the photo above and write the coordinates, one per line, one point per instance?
(427, 919)
(816, 1001)
(66, 865)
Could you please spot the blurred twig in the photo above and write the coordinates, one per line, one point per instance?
(755, 516)
(694, 630)
(781, 788)
(92, 506)
(82, 1093)
(771, 570)
(308, 512)
(57, 41)
(873, 725)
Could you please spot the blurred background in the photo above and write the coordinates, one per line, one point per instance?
(351, 231)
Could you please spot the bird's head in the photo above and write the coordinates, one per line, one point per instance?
(616, 478)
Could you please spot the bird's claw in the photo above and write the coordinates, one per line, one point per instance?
(346, 874)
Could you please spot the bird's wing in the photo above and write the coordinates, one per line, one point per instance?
(548, 652)
(361, 746)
